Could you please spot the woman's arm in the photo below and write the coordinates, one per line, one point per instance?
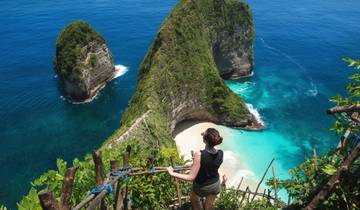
(193, 171)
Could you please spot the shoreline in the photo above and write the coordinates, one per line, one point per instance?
(187, 136)
(119, 70)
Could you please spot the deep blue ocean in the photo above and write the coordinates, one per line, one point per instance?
(298, 51)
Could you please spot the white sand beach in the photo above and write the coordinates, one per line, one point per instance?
(188, 138)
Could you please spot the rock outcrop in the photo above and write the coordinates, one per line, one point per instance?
(233, 45)
(180, 77)
(83, 62)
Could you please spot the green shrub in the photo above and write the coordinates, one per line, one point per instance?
(259, 204)
(228, 200)
(93, 60)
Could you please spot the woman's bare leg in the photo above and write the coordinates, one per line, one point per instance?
(209, 203)
(195, 201)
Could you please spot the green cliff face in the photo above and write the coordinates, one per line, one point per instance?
(179, 79)
(83, 62)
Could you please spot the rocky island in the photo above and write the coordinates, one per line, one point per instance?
(83, 62)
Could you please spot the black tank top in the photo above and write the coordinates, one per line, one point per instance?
(209, 165)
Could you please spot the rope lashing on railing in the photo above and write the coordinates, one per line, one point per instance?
(121, 173)
(152, 169)
(105, 186)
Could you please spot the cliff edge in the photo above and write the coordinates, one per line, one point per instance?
(83, 62)
(180, 77)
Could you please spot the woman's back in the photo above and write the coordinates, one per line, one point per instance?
(209, 165)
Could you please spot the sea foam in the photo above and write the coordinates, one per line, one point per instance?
(312, 91)
(256, 114)
(120, 70)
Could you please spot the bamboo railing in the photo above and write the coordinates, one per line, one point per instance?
(104, 185)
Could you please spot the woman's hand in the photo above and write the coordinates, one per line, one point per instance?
(170, 170)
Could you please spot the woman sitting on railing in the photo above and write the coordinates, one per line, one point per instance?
(204, 171)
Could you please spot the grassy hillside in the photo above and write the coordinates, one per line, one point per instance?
(177, 80)
(179, 69)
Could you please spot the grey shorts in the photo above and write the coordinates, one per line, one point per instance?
(203, 191)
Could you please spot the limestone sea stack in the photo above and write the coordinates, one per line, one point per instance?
(233, 47)
(83, 62)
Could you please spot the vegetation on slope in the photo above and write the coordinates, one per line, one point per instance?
(179, 67)
(68, 48)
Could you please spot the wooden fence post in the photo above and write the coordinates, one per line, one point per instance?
(275, 183)
(248, 198)
(262, 179)
(238, 187)
(126, 165)
(176, 183)
(244, 196)
(223, 183)
(119, 199)
(66, 190)
(264, 193)
(315, 160)
(289, 199)
(99, 173)
(292, 188)
(48, 201)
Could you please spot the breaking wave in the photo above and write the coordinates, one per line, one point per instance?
(121, 70)
(256, 113)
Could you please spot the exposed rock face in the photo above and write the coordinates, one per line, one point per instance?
(83, 61)
(233, 45)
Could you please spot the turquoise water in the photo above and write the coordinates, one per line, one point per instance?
(298, 51)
